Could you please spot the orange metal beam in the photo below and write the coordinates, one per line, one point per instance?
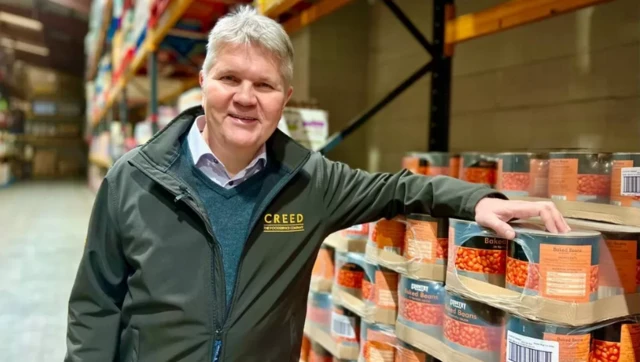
(312, 14)
(281, 8)
(509, 15)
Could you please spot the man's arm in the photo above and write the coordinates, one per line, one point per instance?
(354, 197)
(96, 298)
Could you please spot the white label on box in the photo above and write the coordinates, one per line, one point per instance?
(526, 349)
(630, 181)
(343, 326)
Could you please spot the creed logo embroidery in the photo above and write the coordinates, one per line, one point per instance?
(283, 223)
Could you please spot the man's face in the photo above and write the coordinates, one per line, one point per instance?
(243, 96)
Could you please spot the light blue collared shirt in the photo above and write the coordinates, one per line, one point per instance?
(211, 166)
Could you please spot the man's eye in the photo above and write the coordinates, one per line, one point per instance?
(265, 85)
(228, 78)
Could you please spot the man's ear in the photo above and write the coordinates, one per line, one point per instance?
(288, 95)
(201, 78)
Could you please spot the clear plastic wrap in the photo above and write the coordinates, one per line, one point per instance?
(575, 279)
(541, 297)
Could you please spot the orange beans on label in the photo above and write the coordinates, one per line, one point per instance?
(421, 305)
(473, 328)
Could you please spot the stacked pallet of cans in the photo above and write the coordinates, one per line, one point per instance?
(586, 176)
(543, 296)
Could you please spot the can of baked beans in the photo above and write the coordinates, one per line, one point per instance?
(473, 328)
(426, 239)
(349, 272)
(345, 327)
(619, 342)
(385, 295)
(630, 183)
(378, 342)
(389, 234)
(319, 310)
(554, 266)
(421, 305)
(437, 163)
(476, 252)
(539, 175)
(408, 353)
(579, 176)
(514, 176)
(356, 232)
(324, 267)
(411, 162)
(454, 165)
(319, 354)
(368, 283)
(305, 348)
(535, 341)
(478, 168)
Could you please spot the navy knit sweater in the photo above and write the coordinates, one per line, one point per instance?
(230, 211)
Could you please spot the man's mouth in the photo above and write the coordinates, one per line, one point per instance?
(243, 117)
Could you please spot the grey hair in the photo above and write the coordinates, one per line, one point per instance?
(244, 25)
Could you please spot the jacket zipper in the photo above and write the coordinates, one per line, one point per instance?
(268, 200)
(215, 248)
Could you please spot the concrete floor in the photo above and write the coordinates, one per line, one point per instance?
(42, 233)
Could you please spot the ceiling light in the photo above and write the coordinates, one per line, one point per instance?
(25, 47)
(20, 21)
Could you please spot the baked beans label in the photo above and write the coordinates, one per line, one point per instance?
(454, 167)
(421, 305)
(411, 163)
(539, 178)
(379, 345)
(563, 179)
(436, 171)
(593, 187)
(386, 289)
(565, 273)
(616, 183)
(482, 343)
(389, 235)
(571, 347)
(526, 349)
(323, 267)
(422, 243)
(356, 232)
(485, 174)
(482, 258)
(618, 266)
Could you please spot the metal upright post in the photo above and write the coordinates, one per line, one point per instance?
(153, 101)
(124, 109)
(439, 114)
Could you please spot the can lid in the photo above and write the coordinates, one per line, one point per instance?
(422, 217)
(529, 154)
(536, 229)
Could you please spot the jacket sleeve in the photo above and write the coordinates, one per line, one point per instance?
(353, 197)
(96, 297)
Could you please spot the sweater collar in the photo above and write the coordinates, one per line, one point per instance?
(164, 148)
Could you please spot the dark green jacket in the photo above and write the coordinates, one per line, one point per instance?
(150, 284)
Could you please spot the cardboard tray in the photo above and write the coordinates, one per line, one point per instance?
(324, 339)
(345, 245)
(369, 313)
(430, 345)
(596, 212)
(408, 268)
(541, 309)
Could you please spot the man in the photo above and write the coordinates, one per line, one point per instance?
(201, 242)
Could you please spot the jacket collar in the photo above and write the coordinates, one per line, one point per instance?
(163, 149)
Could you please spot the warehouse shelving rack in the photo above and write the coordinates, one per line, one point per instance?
(447, 29)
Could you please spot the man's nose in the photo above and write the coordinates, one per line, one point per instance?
(245, 95)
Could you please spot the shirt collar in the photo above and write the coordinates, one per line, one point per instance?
(199, 148)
